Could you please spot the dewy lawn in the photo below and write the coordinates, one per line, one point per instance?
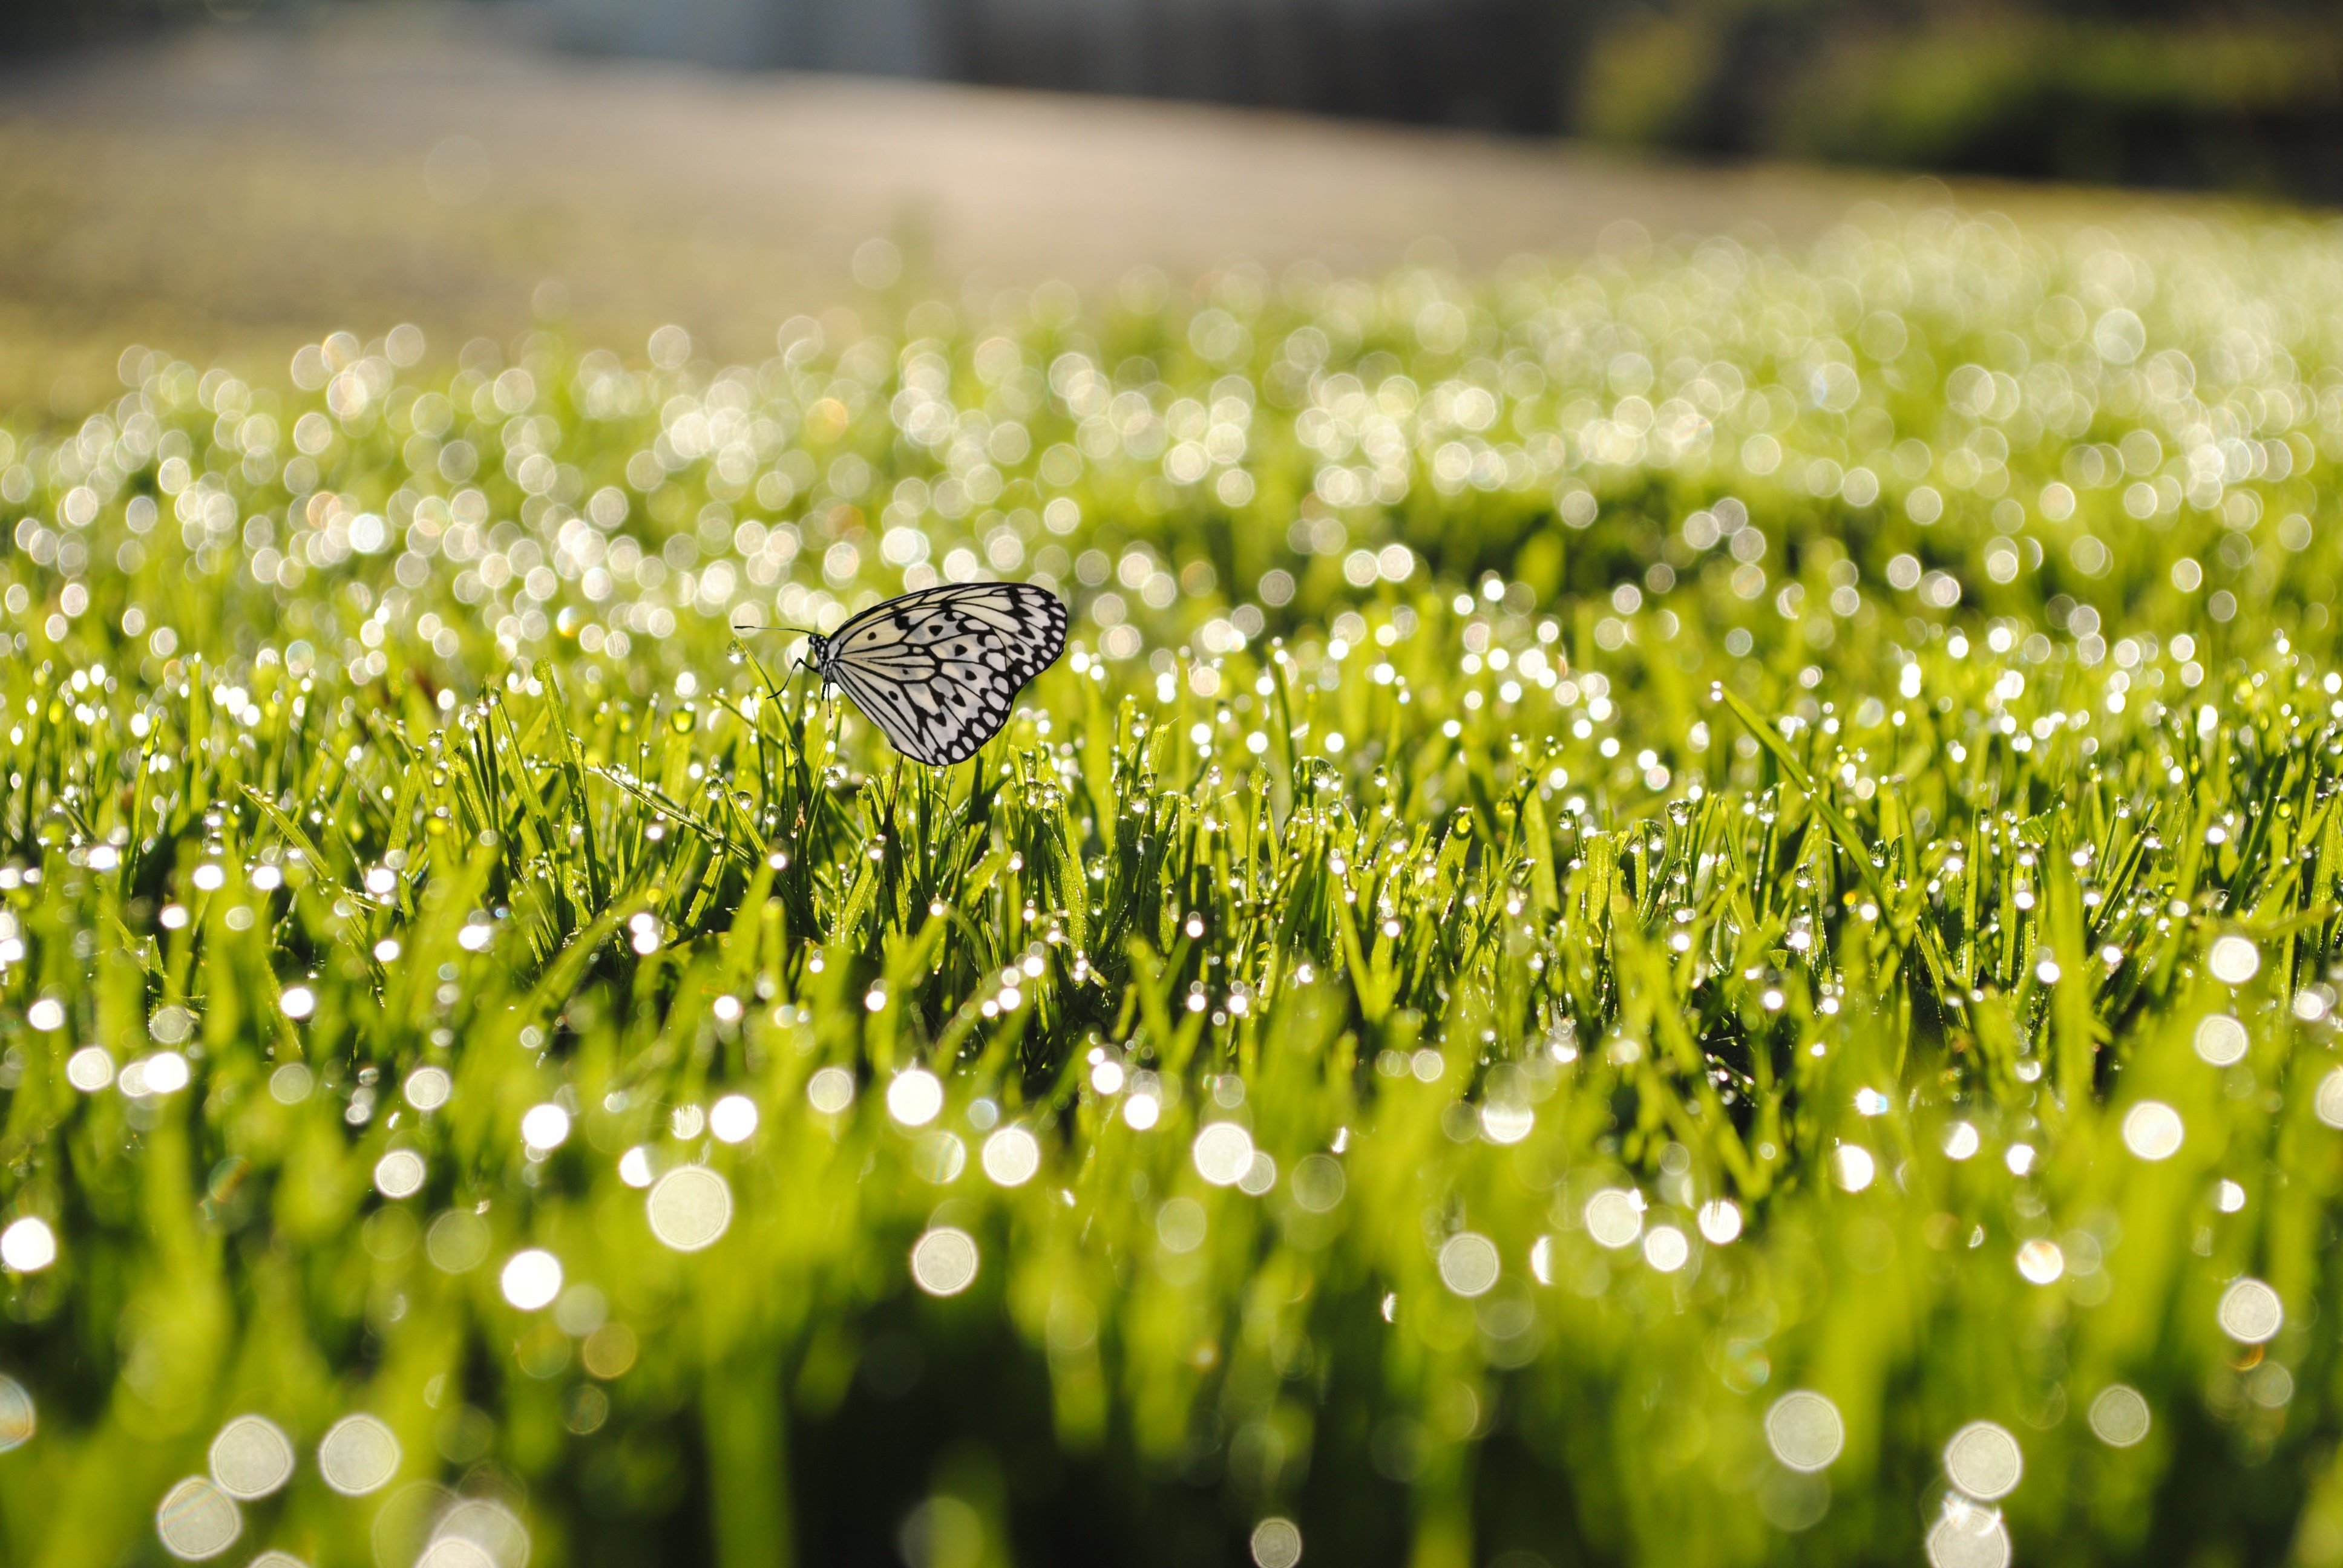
(1676, 910)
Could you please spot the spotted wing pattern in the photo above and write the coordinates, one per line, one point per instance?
(939, 669)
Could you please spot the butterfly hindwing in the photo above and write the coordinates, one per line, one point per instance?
(939, 670)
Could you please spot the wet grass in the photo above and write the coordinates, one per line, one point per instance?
(1667, 842)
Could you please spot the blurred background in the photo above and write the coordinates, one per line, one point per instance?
(232, 177)
(2230, 94)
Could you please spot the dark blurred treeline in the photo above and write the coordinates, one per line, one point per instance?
(2245, 95)
(2179, 93)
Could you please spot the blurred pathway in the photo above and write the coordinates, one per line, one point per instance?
(238, 190)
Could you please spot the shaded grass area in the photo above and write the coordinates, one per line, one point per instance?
(1618, 927)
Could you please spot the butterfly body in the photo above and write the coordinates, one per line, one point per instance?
(939, 670)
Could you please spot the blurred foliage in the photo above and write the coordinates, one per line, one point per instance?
(2215, 96)
(1617, 843)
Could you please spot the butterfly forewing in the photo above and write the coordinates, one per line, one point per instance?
(939, 670)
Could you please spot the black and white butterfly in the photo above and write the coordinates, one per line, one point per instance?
(939, 669)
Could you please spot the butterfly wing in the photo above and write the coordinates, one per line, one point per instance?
(939, 670)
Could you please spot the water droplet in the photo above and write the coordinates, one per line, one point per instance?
(1615, 1217)
(1469, 1264)
(1805, 1430)
(251, 1457)
(18, 1419)
(689, 1208)
(531, 1279)
(1318, 1184)
(2251, 1312)
(1983, 1460)
(1012, 1156)
(2153, 1130)
(196, 1521)
(358, 1455)
(2119, 1416)
(944, 1262)
(1276, 1544)
(1967, 1536)
(915, 1098)
(400, 1173)
(427, 1088)
(28, 1245)
(1222, 1153)
(2234, 960)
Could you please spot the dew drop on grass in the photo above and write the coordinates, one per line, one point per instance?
(1615, 1217)
(581, 1309)
(357, 1455)
(531, 1279)
(28, 1245)
(1012, 1156)
(457, 1243)
(477, 1533)
(1804, 1429)
(1180, 1225)
(1983, 1460)
(1276, 1544)
(915, 1098)
(251, 1458)
(945, 1261)
(1222, 1153)
(90, 1069)
(1318, 1184)
(545, 1127)
(2119, 1416)
(18, 1417)
(196, 1521)
(609, 1352)
(1665, 1249)
(445, 1552)
(2040, 1261)
(165, 1072)
(2251, 1312)
(1967, 1536)
(1506, 1121)
(400, 1173)
(2329, 1101)
(733, 1119)
(1792, 1501)
(689, 1208)
(2221, 1040)
(2153, 1130)
(831, 1090)
(427, 1088)
(2233, 959)
(1469, 1264)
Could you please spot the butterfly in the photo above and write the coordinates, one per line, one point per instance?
(939, 670)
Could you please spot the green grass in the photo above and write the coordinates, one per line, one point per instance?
(1854, 874)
